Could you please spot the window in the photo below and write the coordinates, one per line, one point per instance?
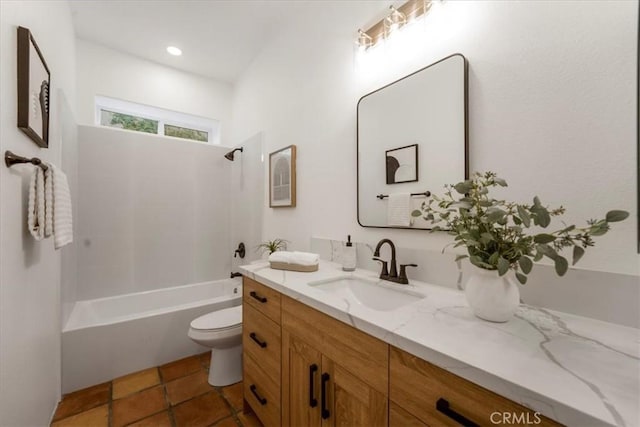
(142, 118)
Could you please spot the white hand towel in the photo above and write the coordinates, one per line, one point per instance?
(59, 208)
(398, 210)
(36, 213)
(300, 258)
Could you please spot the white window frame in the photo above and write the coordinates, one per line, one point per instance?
(162, 116)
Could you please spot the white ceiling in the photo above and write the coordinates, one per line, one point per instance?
(219, 39)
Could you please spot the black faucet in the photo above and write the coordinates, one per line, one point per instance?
(235, 274)
(392, 274)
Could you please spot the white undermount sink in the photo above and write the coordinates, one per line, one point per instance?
(372, 294)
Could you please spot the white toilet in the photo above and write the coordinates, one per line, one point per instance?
(222, 331)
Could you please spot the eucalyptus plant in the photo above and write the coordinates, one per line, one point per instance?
(495, 231)
(272, 246)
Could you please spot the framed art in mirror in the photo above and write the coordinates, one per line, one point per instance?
(282, 178)
(33, 89)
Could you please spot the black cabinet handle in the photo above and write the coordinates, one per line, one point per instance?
(258, 297)
(323, 396)
(254, 337)
(442, 405)
(262, 400)
(313, 402)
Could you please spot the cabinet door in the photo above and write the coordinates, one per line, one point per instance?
(301, 382)
(349, 401)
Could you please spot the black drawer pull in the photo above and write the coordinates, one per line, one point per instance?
(323, 396)
(253, 336)
(313, 402)
(258, 297)
(262, 400)
(442, 405)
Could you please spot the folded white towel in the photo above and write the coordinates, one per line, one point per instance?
(36, 213)
(300, 258)
(59, 211)
(398, 210)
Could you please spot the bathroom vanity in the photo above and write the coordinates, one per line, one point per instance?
(330, 348)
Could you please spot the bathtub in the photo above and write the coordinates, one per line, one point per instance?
(109, 337)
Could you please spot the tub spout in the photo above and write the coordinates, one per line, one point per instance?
(235, 274)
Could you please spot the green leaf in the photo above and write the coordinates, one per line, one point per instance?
(486, 238)
(495, 214)
(493, 259)
(542, 217)
(538, 256)
(561, 265)
(503, 266)
(547, 251)
(536, 202)
(521, 278)
(544, 238)
(524, 216)
(477, 261)
(463, 187)
(501, 182)
(461, 257)
(577, 254)
(416, 213)
(525, 264)
(615, 216)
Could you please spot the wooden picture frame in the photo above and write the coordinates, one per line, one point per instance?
(34, 83)
(401, 164)
(282, 178)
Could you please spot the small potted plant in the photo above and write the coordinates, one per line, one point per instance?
(272, 246)
(495, 235)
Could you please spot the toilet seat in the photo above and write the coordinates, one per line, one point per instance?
(220, 320)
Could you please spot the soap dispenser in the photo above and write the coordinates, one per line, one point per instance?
(349, 256)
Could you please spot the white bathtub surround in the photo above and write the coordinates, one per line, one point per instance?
(492, 297)
(576, 370)
(108, 337)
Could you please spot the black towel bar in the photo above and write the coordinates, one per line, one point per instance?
(11, 159)
(425, 194)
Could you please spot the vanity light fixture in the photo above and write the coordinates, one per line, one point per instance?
(364, 40)
(394, 21)
(404, 14)
(174, 50)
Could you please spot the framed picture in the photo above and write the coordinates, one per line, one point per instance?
(33, 89)
(282, 178)
(402, 164)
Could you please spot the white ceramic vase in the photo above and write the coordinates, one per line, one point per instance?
(492, 297)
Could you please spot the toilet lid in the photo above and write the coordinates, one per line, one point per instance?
(220, 319)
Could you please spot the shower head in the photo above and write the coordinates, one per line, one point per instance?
(229, 155)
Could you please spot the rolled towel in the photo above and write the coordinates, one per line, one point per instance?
(299, 258)
(36, 213)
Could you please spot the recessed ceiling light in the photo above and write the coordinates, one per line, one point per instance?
(174, 51)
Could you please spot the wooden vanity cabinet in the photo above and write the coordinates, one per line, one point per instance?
(332, 374)
(305, 368)
(261, 351)
(424, 394)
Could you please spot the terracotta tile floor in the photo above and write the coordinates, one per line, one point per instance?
(173, 395)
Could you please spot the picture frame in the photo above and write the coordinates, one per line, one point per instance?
(34, 95)
(282, 178)
(401, 164)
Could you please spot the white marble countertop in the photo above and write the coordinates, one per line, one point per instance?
(576, 370)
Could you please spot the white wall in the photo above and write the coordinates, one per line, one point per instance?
(107, 72)
(30, 270)
(153, 212)
(552, 105)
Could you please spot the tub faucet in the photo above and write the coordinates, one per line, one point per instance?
(392, 274)
(235, 274)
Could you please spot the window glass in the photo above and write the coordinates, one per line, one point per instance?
(127, 121)
(186, 133)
